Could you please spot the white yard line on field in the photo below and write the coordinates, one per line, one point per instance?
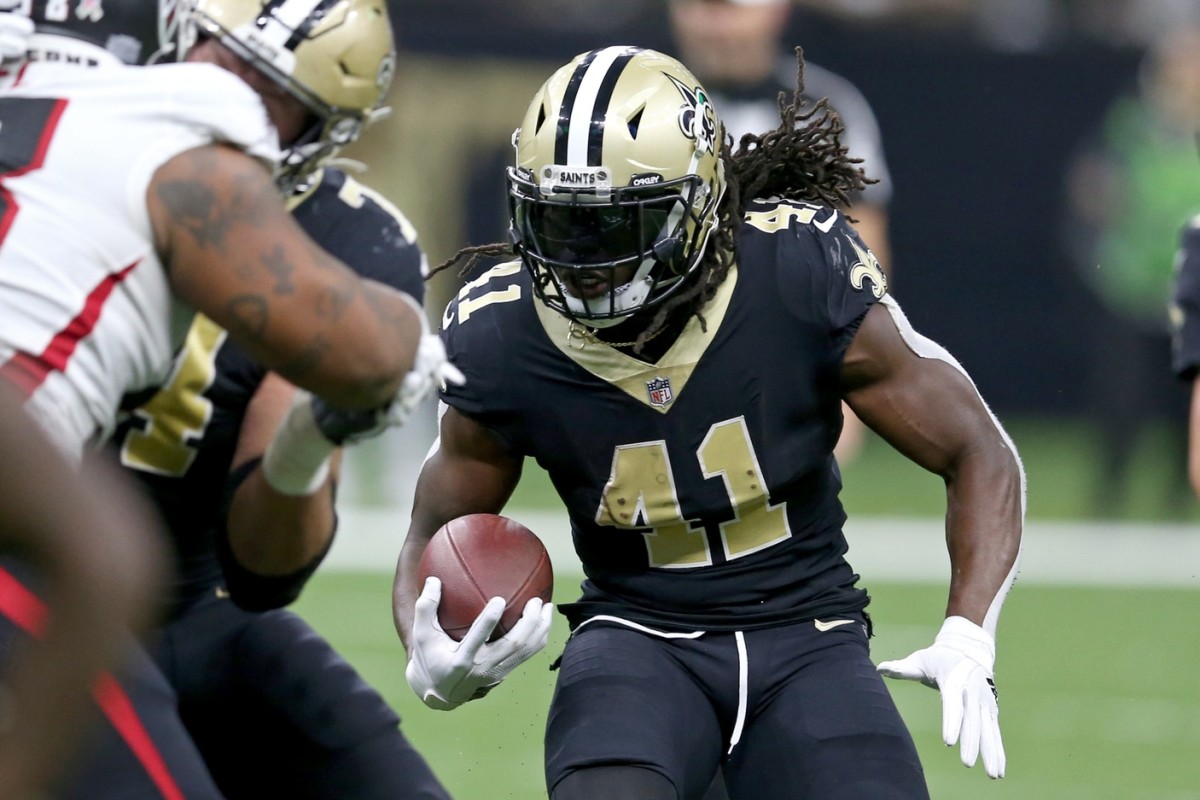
(1057, 553)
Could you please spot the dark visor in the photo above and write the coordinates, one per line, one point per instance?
(594, 234)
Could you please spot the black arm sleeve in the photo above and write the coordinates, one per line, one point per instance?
(248, 589)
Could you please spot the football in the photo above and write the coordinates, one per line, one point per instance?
(481, 556)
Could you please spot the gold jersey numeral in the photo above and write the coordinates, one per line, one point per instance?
(728, 453)
(179, 412)
(641, 493)
(780, 217)
(469, 305)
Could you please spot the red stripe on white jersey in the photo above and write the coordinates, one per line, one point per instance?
(27, 371)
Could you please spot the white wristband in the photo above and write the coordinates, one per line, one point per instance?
(297, 459)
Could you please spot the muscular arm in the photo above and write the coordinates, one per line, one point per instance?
(871, 222)
(929, 410)
(235, 254)
(98, 548)
(270, 533)
(469, 471)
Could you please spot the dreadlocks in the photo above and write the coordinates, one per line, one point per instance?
(471, 256)
(802, 159)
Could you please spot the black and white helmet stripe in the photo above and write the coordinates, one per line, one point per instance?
(580, 138)
(284, 24)
(611, 140)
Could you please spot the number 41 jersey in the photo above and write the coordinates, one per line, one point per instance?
(702, 489)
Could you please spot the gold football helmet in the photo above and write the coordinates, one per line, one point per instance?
(334, 56)
(617, 181)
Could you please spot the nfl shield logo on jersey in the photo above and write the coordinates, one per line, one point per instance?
(660, 392)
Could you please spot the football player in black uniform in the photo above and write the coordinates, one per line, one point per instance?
(274, 710)
(1185, 338)
(673, 346)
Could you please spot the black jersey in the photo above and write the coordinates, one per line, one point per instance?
(181, 441)
(702, 489)
(1185, 305)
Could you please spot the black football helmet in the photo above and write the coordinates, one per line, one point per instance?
(135, 31)
(617, 183)
(336, 57)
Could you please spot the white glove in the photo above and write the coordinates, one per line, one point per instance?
(445, 673)
(15, 30)
(960, 663)
(431, 370)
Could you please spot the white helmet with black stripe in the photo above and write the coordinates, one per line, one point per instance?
(617, 182)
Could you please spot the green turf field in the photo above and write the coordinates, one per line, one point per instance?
(1099, 699)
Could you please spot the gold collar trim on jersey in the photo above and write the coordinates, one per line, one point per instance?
(581, 336)
(630, 374)
(304, 190)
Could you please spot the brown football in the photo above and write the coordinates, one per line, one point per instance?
(481, 556)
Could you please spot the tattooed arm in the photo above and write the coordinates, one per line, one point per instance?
(235, 254)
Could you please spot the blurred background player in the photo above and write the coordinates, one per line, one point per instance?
(1131, 190)
(686, 322)
(96, 591)
(736, 48)
(274, 710)
(1185, 340)
(96, 291)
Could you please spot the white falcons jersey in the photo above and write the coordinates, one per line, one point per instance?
(86, 312)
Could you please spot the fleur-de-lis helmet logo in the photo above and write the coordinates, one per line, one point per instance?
(697, 118)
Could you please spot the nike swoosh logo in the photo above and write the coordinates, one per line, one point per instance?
(828, 626)
(824, 227)
(221, 593)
